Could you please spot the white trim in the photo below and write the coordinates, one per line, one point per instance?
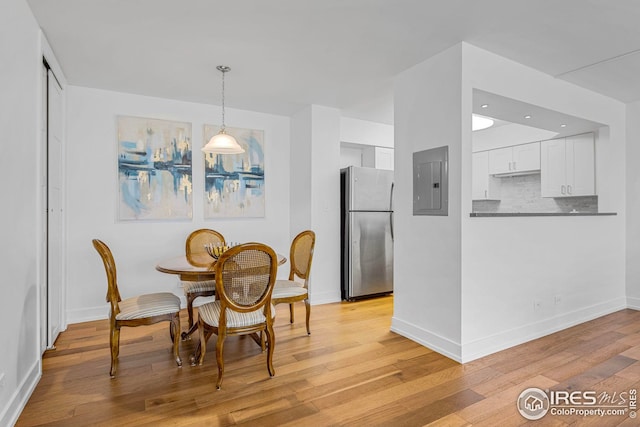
(497, 342)
(47, 53)
(328, 297)
(87, 314)
(21, 395)
(633, 303)
(427, 338)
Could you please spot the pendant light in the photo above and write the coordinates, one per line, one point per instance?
(223, 143)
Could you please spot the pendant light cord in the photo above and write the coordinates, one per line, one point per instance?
(223, 69)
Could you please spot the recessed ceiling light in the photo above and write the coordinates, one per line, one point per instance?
(527, 116)
(479, 122)
(563, 125)
(484, 105)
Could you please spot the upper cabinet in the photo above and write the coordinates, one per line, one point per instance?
(568, 166)
(516, 159)
(378, 157)
(484, 186)
(384, 158)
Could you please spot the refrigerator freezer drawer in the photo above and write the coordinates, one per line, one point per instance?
(370, 257)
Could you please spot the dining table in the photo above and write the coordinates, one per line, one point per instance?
(197, 267)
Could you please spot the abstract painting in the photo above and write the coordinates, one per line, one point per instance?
(234, 183)
(154, 169)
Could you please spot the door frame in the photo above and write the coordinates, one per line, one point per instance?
(49, 62)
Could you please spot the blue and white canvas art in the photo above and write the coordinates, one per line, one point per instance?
(234, 183)
(154, 169)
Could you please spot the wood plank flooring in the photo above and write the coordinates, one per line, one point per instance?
(351, 371)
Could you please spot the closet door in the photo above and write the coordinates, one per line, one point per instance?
(54, 295)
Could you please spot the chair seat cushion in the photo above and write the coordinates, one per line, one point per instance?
(198, 286)
(288, 292)
(288, 289)
(210, 314)
(148, 305)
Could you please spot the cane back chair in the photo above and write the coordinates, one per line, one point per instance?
(296, 288)
(136, 311)
(245, 276)
(195, 247)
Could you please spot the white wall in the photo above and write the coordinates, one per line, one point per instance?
(92, 192)
(325, 204)
(633, 206)
(467, 286)
(365, 132)
(300, 176)
(20, 68)
(510, 262)
(350, 156)
(427, 257)
(317, 182)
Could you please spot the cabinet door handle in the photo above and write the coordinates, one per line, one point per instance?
(562, 189)
(514, 165)
(569, 190)
(485, 194)
(509, 165)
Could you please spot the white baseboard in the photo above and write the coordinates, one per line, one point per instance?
(491, 344)
(18, 400)
(476, 349)
(427, 338)
(633, 303)
(325, 297)
(87, 314)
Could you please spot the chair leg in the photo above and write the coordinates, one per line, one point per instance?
(307, 305)
(190, 300)
(115, 348)
(270, 344)
(175, 327)
(203, 342)
(290, 312)
(219, 358)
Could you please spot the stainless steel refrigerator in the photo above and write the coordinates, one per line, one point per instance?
(367, 232)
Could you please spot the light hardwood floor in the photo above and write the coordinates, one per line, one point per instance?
(351, 371)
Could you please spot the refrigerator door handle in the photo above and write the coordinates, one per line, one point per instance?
(391, 196)
(391, 209)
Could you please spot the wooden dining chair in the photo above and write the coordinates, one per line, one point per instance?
(136, 311)
(245, 276)
(195, 248)
(296, 288)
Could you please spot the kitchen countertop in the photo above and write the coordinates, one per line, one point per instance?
(511, 214)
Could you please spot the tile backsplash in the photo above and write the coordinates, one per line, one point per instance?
(522, 194)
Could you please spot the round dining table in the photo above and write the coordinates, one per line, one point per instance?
(195, 268)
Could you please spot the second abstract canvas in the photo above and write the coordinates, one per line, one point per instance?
(234, 183)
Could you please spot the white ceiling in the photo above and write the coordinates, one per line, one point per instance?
(285, 54)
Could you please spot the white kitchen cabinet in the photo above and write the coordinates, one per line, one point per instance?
(378, 157)
(384, 158)
(568, 166)
(516, 159)
(483, 186)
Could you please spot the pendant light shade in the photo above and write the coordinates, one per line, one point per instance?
(223, 143)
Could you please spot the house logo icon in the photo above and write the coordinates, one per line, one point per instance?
(533, 403)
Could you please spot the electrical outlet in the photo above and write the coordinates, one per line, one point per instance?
(558, 299)
(537, 305)
(2, 381)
